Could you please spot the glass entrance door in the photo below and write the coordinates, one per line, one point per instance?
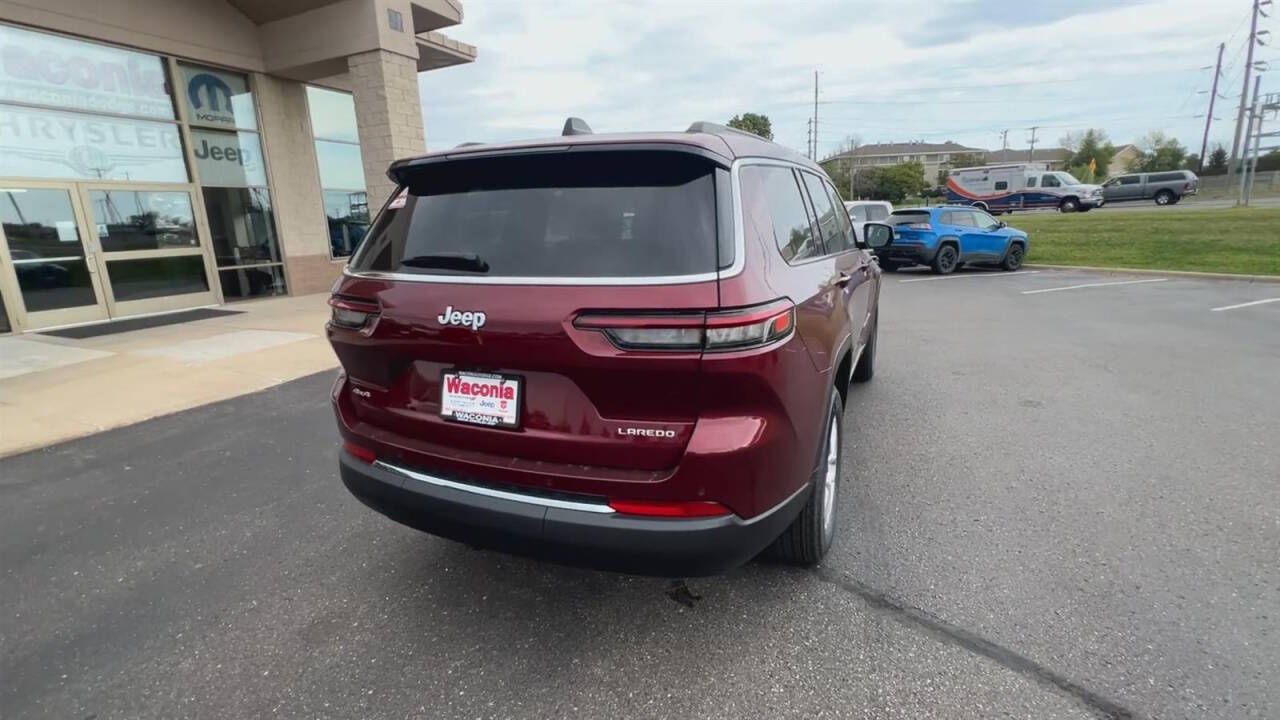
(84, 252)
(50, 266)
(152, 255)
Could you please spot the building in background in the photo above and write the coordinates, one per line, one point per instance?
(932, 156)
(1054, 158)
(165, 154)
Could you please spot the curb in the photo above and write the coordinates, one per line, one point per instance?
(1149, 271)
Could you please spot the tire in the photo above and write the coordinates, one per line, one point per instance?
(810, 535)
(946, 260)
(1164, 197)
(1068, 205)
(1085, 208)
(1013, 257)
(866, 368)
(889, 266)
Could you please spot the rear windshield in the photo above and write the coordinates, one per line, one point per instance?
(876, 213)
(902, 217)
(587, 214)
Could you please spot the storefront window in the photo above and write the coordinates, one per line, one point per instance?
(47, 144)
(233, 176)
(346, 202)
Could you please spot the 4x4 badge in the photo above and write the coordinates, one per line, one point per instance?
(473, 319)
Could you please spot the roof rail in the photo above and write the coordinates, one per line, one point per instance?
(702, 126)
(467, 144)
(576, 126)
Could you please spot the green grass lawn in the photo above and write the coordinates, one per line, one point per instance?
(1244, 240)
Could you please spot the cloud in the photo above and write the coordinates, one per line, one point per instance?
(888, 71)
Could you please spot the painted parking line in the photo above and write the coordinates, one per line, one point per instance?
(1245, 305)
(970, 275)
(1093, 285)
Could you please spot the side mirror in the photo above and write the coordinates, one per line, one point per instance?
(878, 235)
(1001, 224)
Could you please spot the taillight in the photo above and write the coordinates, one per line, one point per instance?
(1186, 186)
(352, 313)
(716, 330)
(651, 508)
(363, 454)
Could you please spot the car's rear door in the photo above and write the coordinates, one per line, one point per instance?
(479, 274)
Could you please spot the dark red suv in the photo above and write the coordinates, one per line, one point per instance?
(629, 352)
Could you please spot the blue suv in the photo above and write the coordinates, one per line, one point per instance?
(946, 237)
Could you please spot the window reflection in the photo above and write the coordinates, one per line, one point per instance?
(348, 216)
(133, 220)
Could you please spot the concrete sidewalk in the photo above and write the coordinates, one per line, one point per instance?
(54, 389)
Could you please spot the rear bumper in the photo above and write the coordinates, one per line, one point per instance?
(917, 253)
(594, 537)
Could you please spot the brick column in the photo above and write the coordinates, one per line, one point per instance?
(388, 116)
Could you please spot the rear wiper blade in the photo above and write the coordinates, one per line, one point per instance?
(466, 262)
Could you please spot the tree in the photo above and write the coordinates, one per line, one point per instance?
(1090, 146)
(896, 182)
(1157, 152)
(1270, 161)
(753, 123)
(1217, 161)
(1191, 162)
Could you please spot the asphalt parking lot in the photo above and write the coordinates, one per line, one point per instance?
(1061, 502)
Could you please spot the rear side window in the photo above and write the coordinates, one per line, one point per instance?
(1002, 185)
(588, 214)
(822, 209)
(792, 230)
(963, 218)
(877, 213)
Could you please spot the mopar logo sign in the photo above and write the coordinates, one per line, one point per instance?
(210, 99)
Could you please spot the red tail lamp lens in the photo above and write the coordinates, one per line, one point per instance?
(363, 454)
(698, 508)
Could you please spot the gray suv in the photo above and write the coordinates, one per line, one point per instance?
(1165, 188)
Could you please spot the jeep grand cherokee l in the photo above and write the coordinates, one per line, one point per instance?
(629, 352)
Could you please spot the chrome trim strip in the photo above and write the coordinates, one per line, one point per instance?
(500, 494)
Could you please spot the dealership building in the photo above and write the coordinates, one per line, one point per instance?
(157, 155)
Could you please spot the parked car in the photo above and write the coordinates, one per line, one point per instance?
(862, 212)
(949, 236)
(1163, 188)
(1021, 186)
(628, 352)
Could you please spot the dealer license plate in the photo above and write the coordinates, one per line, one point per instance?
(476, 398)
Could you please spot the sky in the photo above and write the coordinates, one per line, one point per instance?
(931, 70)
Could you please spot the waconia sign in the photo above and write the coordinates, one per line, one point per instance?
(41, 69)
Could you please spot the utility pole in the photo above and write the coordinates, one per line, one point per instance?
(1243, 198)
(1004, 140)
(1244, 90)
(1213, 95)
(815, 115)
(1031, 153)
(808, 140)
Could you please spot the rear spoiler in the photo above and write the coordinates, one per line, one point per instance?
(400, 169)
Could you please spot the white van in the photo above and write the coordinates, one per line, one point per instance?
(1005, 188)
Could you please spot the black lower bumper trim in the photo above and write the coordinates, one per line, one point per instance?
(622, 543)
